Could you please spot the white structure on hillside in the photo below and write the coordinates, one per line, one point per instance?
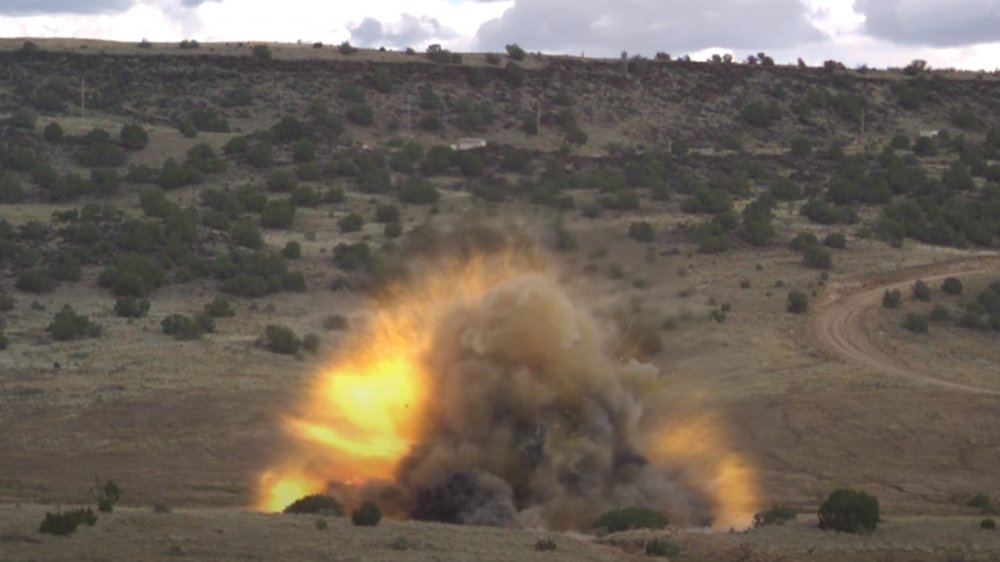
(469, 144)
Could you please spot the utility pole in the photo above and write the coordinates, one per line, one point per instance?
(538, 116)
(864, 113)
(409, 118)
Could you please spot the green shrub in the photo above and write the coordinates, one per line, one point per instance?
(53, 133)
(260, 155)
(514, 75)
(174, 175)
(66, 267)
(418, 191)
(352, 222)
(368, 515)
(131, 307)
(892, 298)
(304, 150)
(952, 286)
(849, 511)
(545, 545)
(345, 48)
(292, 250)
(247, 235)
(335, 322)
(760, 113)
(261, 52)
(361, 114)
(278, 214)
(798, 302)
(940, 313)
(777, 515)
(220, 307)
(641, 231)
(182, 327)
(282, 181)
(982, 502)
(351, 257)
(108, 495)
(988, 524)
(817, 257)
(68, 325)
(37, 281)
(134, 137)
(132, 275)
(203, 158)
(188, 44)
(662, 548)
(515, 52)
(835, 240)
(921, 291)
(64, 523)
(281, 339)
(315, 504)
(631, 518)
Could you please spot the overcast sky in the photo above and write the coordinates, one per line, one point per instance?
(959, 33)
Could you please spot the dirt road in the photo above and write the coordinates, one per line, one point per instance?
(847, 328)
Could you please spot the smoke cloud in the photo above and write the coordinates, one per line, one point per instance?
(519, 416)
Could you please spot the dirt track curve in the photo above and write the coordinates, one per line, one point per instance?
(846, 327)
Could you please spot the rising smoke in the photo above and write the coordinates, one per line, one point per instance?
(522, 417)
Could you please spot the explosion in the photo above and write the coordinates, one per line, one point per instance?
(481, 395)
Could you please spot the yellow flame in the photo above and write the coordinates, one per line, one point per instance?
(365, 410)
(700, 445)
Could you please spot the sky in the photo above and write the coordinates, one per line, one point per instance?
(879, 33)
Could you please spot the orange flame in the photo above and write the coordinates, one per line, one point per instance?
(700, 446)
(365, 410)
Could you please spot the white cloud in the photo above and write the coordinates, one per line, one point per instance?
(822, 29)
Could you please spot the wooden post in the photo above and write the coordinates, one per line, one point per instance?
(83, 97)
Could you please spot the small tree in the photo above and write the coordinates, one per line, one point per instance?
(817, 257)
(220, 307)
(345, 48)
(108, 495)
(835, 240)
(952, 286)
(262, 52)
(515, 52)
(53, 133)
(292, 250)
(892, 298)
(134, 137)
(315, 504)
(352, 222)
(777, 515)
(849, 511)
(641, 231)
(368, 515)
(921, 291)
(68, 325)
(182, 327)
(131, 307)
(281, 339)
(798, 302)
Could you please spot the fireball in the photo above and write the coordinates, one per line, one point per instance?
(479, 393)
